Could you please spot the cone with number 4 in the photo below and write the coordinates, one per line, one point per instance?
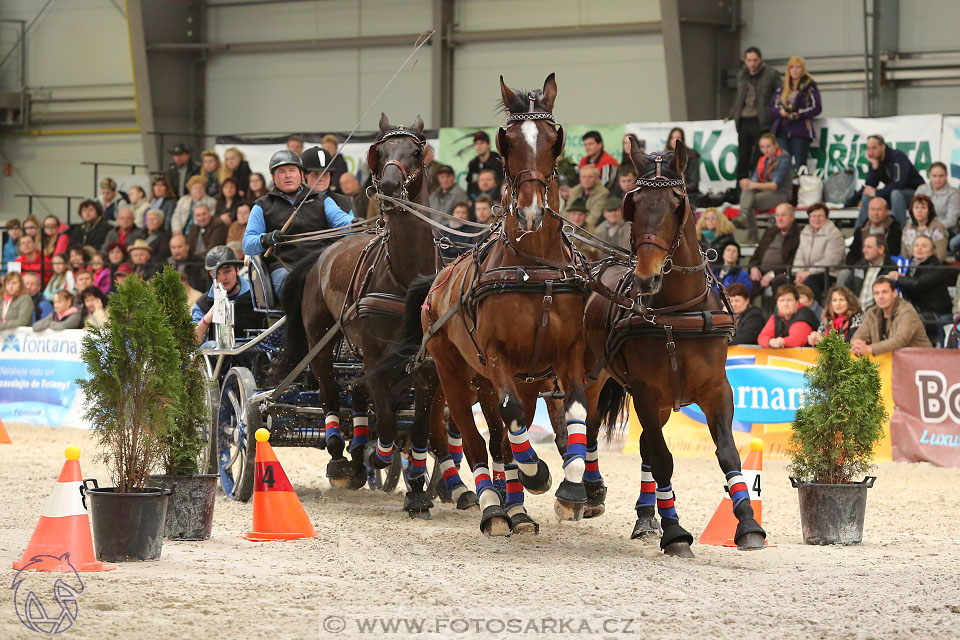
(277, 512)
(723, 524)
(4, 436)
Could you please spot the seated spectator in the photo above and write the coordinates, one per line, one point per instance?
(62, 278)
(210, 169)
(31, 227)
(17, 309)
(227, 201)
(140, 257)
(461, 211)
(923, 222)
(156, 236)
(338, 166)
(117, 255)
(790, 324)
(41, 306)
(595, 156)
(192, 294)
(94, 307)
(187, 264)
(32, 259)
(563, 190)
(183, 217)
(946, 199)
(258, 187)
(77, 258)
(429, 161)
(295, 144)
(821, 243)
(924, 287)
(485, 159)
(163, 199)
(900, 179)
(576, 214)
(749, 319)
(843, 314)
(125, 233)
(120, 275)
(223, 266)
(796, 102)
(483, 209)
(614, 230)
(65, 315)
(892, 323)
(880, 222)
(83, 280)
(592, 193)
(138, 204)
(487, 186)
(626, 180)
(776, 250)
(102, 273)
(714, 231)
(728, 270)
(207, 231)
(449, 194)
(94, 229)
(806, 299)
(237, 228)
(770, 185)
(10, 249)
(874, 263)
(56, 236)
(359, 202)
(238, 169)
(110, 199)
(691, 175)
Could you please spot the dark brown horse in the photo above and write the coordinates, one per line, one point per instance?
(670, 349)
(361, 281)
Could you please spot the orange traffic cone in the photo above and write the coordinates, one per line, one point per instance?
(4, 436)
(723, 524)
(63, 533)
(277, 512)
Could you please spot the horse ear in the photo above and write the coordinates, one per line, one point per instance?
(637, 156)
(506, 93)
(627, 207)
(417, 124)
(679, 161)
(560, 142)
(502, 142)
(372, 158)
(549, 92)
(384, 121)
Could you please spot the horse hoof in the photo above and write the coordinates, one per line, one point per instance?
(357, 481)
(568, 511)
(594, 511)
(341, 483)
(468, 500)
(340, 469)
(678, 549)
(496, 526)
(414, 501)
(751, 542)
(522, 523)
(419, 515)
(646, 528)
(539, 482)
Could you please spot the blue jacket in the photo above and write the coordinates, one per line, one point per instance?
(197, 313)
(10, 251)
(895, 172)
(735, 274)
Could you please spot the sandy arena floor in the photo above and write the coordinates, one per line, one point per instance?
(370, 565)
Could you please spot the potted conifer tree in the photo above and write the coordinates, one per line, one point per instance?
(190, 513)
(133, 380)
(834, 437)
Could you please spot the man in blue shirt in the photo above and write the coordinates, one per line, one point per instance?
(318, 210)
(222, 265)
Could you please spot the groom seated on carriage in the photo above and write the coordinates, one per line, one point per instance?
(222, 265)
(318, 209)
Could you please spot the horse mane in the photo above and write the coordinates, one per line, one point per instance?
(520, 102)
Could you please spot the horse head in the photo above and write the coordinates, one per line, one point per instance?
(658, 211)
(531, 145)
(396, 159)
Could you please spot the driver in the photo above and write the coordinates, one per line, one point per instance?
(222, 265)
(318, 211)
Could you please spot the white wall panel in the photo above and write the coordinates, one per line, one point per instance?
(482, 15)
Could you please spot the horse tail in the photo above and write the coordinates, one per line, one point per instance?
(610, 406)
(392, 365)
(295, 331)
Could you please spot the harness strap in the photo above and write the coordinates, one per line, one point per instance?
(675, 383)
(543, 328)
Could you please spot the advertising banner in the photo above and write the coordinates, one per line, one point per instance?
(38, 373)
(768, 388)
(925, 426)
(950, 148)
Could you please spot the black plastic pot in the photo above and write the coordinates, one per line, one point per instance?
(190, 512)
(832, 513)
(127, 526)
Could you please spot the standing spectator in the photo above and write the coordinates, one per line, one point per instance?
(360, 203)
(140, 257)
(163, 199)
(592, 193)
(487, 186)
(821, 243)
(56, 236)
(93, 303)
(17, 308)
(449, 194)
(237, 229)
(790, 324)
(138, 204)
(485, 159)
(65, 315)
(614, 230)
(729, 270)
(626, 181)
(338, 166)
(295, 144)
(715, 231)
(183, 216)
(748, 319)
(239, 170)
(595, 156)
(795, 104)
(210, 169)
(879, 222)
(946, 199)
(890, 324)
(110, 199)
(102, 274)
(842, 314)
(483, 209)
(770, 184)
(156, 236)
(10, 250)
(691, 175)
(125, 232)
(776, 250)
(756, 83)
(93, 230)
(62, 278)
(41, 306)
(257, 189)
(207, 232)
(181, 170)
(228, 201)
(32, 259)
(187, 264)
(874, 262)
(924, 222)
(900, 179)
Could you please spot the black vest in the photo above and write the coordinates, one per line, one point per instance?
(803, 314)
(311, 217)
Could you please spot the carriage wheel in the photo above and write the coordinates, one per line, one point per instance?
(208, 456)
(237, 421)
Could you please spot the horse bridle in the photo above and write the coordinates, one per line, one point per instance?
(407, 178)
(660, 181)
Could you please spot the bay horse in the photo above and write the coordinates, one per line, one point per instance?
(361, 281)
(668, 348)
(511, 312)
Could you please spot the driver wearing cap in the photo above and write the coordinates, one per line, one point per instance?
(222, 265)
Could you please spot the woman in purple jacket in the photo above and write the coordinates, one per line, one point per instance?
(794, 106)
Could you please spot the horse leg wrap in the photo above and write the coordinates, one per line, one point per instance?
(333, 435)
(499, 479)
(384, 455)
(489, 498)
(418, 463)
(737, 489)
(574, 460)
(451, 479)
(361, 433)
(666, 504)
(454, 446)
(592, 471)
(648, 489)
(523, 453)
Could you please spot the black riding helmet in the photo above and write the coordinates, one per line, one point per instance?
(316, 159)
(221, 256)
(284, 157)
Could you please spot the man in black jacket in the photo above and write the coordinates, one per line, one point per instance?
(899, 176)
(756, 83)
(93, 230)
(181, 169)
(776, 250)
(188, 264)
(749, 319)
(881, 223)
(485, 159)
(874, 263)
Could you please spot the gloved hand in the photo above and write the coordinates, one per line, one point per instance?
(270, 239)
